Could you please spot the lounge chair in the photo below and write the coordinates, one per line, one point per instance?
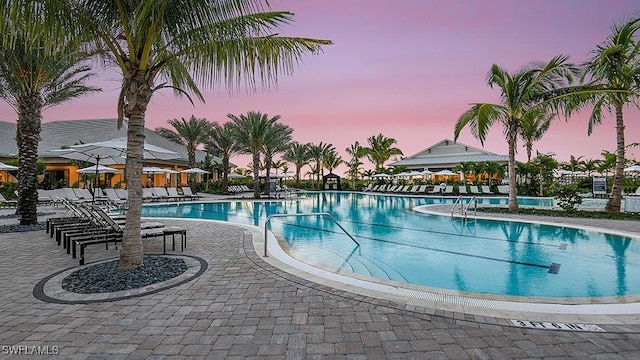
(462, 190)
(148, 195)
(368, 187)
(160, 193)
(69, 194)
(123, 194)
(83, 194)
(474, 190)
(187, 192)
(44, 196)
(7, 203)
(503, 189)
(486, 190)
(448, 190)
(436, 190)
(173, 194)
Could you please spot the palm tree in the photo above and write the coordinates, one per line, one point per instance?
(533, 129)
(381, 149)
(494, 169)
(354, 170)
(478, 169)
(332, 160)
(223, 143)
(608, 162)
(465, 168)
(298, 155)
(33, 77)
(317, 154)
(277, 140)
(188, 133)
(614, 70)
(278, 164)
(251, 131)
(590, 166)
(522, 98)
(171, 45)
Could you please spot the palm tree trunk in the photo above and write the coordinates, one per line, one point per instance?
(267, 178)
(615, 199)
(256, 173)
(513, 188)
(191, 158)
(27, 139)
(225, 175)
(138, 93)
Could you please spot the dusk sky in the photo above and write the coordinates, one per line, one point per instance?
(407, 69)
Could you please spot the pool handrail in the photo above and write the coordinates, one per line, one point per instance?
(303, 214)
(457, 202)
(474, 201)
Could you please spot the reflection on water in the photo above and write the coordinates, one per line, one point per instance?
(399, 244)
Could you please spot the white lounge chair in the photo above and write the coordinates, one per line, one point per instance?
(187, 192)
(462, 189)
(486, 190)
(474, 190)
(503, 189)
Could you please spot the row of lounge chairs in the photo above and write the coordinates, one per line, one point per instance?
(116, 196)
(168, 194)
(85, 224)
(437, 190)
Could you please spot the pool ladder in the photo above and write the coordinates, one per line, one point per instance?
(266, 223)
(465, 209)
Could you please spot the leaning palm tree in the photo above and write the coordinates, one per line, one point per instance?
(277, 140)
(178, 45)
(251, 131)
(222, 143)
(188, 133)
(34, 77)
(523, 97)
(380, 150)
(615, 75)
(298, 155)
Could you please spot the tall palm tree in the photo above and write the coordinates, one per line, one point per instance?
(317, 154)
(380, 150)
(223, 143)
(36, 75)
(173, 45)
(298, 155)
(332, 160)
(251, 131)
(533, 129)
(522, 97)
(614, 71)
(188, 133)
(277, 140)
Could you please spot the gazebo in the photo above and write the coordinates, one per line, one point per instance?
(331, 181)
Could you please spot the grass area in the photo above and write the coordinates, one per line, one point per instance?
(562, 213)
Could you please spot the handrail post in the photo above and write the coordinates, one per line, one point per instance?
(266, 222)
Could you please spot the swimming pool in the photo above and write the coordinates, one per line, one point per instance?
(475, 256)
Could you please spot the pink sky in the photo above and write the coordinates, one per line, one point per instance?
(407, 69)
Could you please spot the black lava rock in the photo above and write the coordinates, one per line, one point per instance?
(105, 277)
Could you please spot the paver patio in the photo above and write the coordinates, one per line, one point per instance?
(242, 307)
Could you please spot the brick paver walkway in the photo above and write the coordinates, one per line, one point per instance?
(242, 307)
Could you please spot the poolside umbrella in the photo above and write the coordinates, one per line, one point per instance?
(235, 176)
(7, 167)
(112, 152)
(445, 173)
(632, 168)
(98, 169)
(195, 171)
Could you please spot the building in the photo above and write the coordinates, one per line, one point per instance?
(61, 134)
(446, 155)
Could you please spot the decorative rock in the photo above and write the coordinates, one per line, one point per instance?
(105, 277)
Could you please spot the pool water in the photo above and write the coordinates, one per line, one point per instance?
(400, 244)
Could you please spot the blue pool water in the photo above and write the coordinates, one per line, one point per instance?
(399, 244)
